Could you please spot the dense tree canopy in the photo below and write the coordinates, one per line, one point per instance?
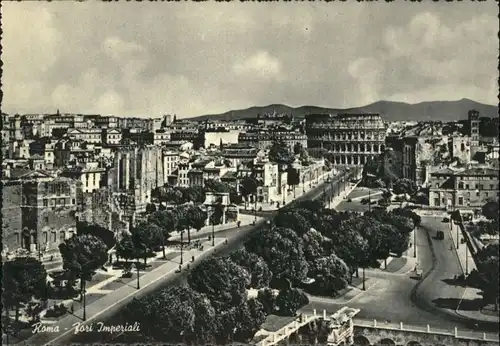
(255, 265)
(23, 279)
(283, 252)
(315, 245)
(289, 301)
(490, 210)
(331, 275)
(175, 314)
(405, 185)
(82, 255)
(222, 280)
(280, 153)
(293, 220)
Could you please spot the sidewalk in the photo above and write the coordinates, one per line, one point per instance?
(342, 196)
(245, 219)
(114, 300)
(470, 293)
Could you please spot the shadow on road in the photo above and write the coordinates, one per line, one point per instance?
(465, 304)
(454, 282)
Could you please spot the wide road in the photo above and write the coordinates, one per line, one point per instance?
(437, 292)
(236, 237)
(390, 298)
(400, 298)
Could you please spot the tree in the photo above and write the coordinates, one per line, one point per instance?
(248, 187)
(125, 248)
(212, 185)
(289, 301)
(175, 314)
(348, 244)
(331, 275)
(268, 300)
(251, 317)
(490, 210)
(145, 237)
(82, 255)
(298, 148)
(150, 208)
(283, 252)
(174, 196)
(292, 220)
(197, 218)
(406, 186)
(24, 278)
(194, 194)
(315, 245)
(487, 261)
(406, 212)
(222, 280)
(255, 265)
(280, 153)
(166, 220)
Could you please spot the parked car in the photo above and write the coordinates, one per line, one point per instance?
(365, 201)
(440, 235)
(446, 219)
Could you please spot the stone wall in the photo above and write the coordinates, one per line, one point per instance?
(377, 336)
(11, 216)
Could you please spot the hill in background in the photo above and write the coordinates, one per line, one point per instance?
(389, 110)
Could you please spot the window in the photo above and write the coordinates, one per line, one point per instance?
(460, 200)
(73, 201)
(45, 202)
(53, 237)
(460, 185)
(45, 237)
(436, 201)
(491, 187)
(477, 194)
(467, 186)
(486, 194)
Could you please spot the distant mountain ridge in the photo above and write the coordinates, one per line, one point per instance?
(389, 110)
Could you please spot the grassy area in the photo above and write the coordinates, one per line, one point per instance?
(97, 278)
(275, 322)
(396, 264)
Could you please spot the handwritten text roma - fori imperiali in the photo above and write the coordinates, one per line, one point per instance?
(79, 327)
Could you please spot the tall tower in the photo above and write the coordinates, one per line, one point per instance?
(473, 117)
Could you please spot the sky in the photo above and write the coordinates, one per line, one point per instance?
(151, 58)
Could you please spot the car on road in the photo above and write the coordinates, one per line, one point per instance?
(439, 235)
(445, 219)
(365, 201)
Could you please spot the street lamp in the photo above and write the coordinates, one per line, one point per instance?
(415, 242)
(137, 268)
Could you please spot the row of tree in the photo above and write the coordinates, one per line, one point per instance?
(25, 278)
(149, 235)
(213, 307)
(307, 241)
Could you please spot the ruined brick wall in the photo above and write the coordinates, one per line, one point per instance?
(11, 215)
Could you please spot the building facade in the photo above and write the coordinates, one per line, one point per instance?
(353, 138)
(39, 212)
(265, 139)
(469, 188)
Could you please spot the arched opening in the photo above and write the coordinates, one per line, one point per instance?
(360, 340)
(414, 343)
(462, 146)
(386, 342)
